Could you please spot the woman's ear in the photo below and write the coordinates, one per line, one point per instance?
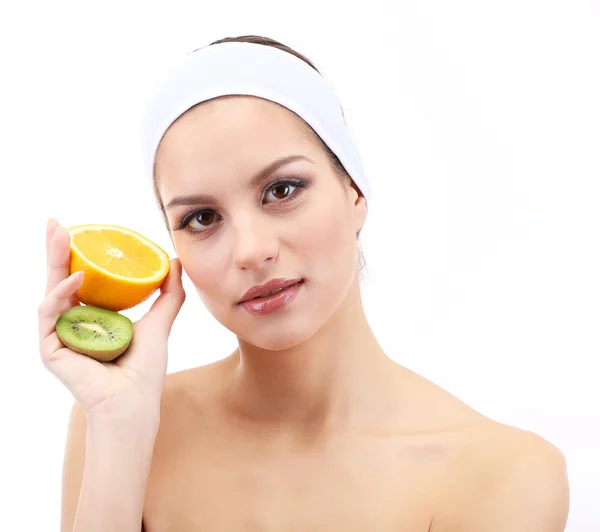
(359, 205)
(360, 212)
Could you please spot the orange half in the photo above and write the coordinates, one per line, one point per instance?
(121, 267)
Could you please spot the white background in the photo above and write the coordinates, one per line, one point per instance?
(479, 125)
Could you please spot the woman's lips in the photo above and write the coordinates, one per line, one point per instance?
(271, 286)
(262, 306)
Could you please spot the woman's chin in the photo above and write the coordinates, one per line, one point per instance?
(277, 339)
(273, 342)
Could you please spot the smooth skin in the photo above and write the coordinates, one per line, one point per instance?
(308, 424)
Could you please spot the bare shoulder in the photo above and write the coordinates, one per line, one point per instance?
(192, 381)
(187, 414)
(189, 402)
(191, 389)
(508, 479)
(498, 478)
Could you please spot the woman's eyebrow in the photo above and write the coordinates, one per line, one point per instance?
(196, 199)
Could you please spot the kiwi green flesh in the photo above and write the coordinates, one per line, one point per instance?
(96, 332)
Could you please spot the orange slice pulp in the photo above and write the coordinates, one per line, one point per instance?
(121, 267)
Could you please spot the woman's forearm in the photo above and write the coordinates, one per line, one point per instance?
(117, 465)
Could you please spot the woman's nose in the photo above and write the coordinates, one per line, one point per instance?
(253, 243)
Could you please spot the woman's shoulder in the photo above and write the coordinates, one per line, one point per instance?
(196, 388)
(496, 476)
(494, 446)
(506, 478)
(189, 409)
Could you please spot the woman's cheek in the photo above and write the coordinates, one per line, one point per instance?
(207, 274)
(320, 231)
(197, 268)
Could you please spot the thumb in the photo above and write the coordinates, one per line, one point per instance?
(164, 310)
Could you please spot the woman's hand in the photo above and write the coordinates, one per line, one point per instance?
(132, 381)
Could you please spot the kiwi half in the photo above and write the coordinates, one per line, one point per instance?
(96, 332)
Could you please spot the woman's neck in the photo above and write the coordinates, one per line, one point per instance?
(337, 379)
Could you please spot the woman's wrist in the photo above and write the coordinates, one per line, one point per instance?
(141, 418)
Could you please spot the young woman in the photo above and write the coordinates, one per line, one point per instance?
(308, 424)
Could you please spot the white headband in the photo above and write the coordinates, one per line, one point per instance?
(257, 70)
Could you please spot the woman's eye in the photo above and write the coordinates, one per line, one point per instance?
(281, 191)
(202, 219)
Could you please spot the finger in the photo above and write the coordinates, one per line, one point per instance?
(60, 258)
(56, 302)
(51, 226)
(164, 310)
(49, 345)
(69, 367)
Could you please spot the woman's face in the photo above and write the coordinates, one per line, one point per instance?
(234, 227)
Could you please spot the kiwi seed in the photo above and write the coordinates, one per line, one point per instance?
(96, 332)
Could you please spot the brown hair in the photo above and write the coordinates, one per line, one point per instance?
(333, 159)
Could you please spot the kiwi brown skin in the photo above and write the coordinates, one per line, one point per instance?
(98, 333)
(100, 356)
